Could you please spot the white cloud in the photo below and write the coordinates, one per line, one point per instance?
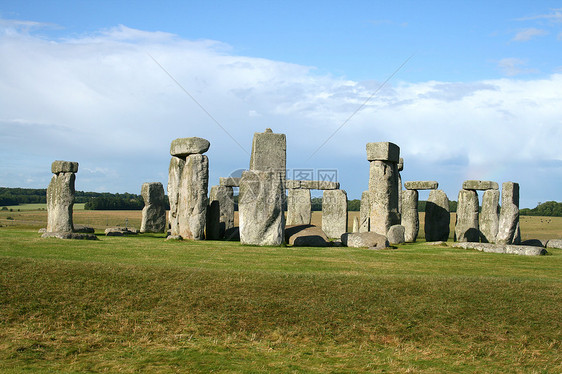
(528, 34)
(102, 101)
(555, 15)
(514, 66)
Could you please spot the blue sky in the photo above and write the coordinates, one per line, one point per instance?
(479, 97)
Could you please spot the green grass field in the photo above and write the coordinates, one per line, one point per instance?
(131, 304)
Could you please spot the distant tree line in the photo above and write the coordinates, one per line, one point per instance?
(549, 209)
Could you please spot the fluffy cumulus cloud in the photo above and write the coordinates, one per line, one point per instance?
(115, 100)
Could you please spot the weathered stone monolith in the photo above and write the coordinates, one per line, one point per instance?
(299, 207)
(365, 212)
(154, 211)
(355, 227)
(508, 231)
(188, 179)
(383, 189)
(466, 227)
(489, 216)
(334, 213)
(437, 217)
(269, 152)
(260, 205)
(60, 197)
(410, 217)
(221, 210)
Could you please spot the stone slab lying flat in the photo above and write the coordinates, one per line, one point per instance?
(554, 243)
(383, 151)
(364, 240)
(421, 185)
(524, 250)
(229, 182)
(479, 185)
(64, 167)
(183, 147)
(313, 185)
(69, 235)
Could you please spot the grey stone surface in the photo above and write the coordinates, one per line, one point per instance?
(306, 236)
(479, 185)
(437, 217)
(364, 240)
(489, 216)
(395, 234)
(521, 250)
(269, 153)
(120, 231)
(312, 185)
(193, 200)
(421, 185)
(229, 182)
(261, 216)
(410, 217)
(383, 151)
(400, 164)
(213, 228)
(554, 243)
(535, 242)
(384, 196)
(69, 235)
(154, 211)
(466, 227)
(60, 202)
(175, 172)
(508, 231)
(299, 207)
(64, 167)
(334, 213)
(224, 198)
(183, 147)
(365, 212)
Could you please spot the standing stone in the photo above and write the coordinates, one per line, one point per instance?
(365, 212)
(508, 232)
(269, 152)
(193, 199)
(383, 188)
(174, 186)
(355, 224)
(466, 227)
(400, 167)
(299, 207)
(437, 217)
(223, 199)
(60, 197)
(489, 217)
(262, 221)
(154, 211)
(334, 213)
(410, 216)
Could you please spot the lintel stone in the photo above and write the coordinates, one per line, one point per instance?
(479, 185)
(183, 147)
(64, 167)
(383, 151)
(313, 185)
(421, 185)
(229, 182)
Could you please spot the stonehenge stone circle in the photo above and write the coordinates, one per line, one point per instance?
(154, 211)
(365, 212)
(60, 197)
(334, 213)
(383, 186)
(421, 185)
(466, 227)
(508, 231)
(479, 185)
(188, 179)
(410, 217)
(437, 217)
(489, 216)
(261, 216)
(299, 207)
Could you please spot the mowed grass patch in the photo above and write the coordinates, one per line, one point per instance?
(144, 304)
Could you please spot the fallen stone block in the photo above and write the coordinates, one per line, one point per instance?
(364, 240)
(306, 236)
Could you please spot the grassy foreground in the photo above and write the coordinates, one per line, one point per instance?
(143, 304)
